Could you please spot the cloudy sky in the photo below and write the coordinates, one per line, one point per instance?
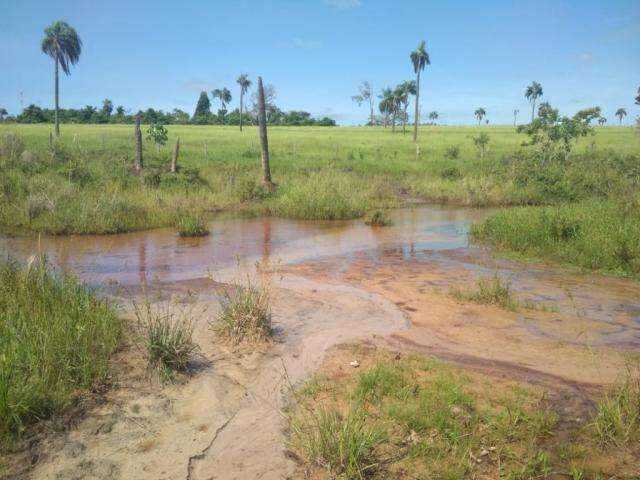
(316, 52)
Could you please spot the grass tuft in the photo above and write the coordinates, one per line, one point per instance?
(378, 218)
(167, 335)
(490, 291)
(192, 225)
(56, 338)
(245, 313)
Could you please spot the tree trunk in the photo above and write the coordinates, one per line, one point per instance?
(417, 116)
(533, 110)
(404, 119)
(56, 94)
(264, 143)
(393, 122)
(138, 137)
(371, 108)
(241, 108)
(174, 157)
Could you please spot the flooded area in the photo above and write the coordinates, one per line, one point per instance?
(332, 282)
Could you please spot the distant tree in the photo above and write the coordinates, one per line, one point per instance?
(62, 43)
(385, 105)
(602, 121)
(32, 114)
(419, 59)
(621, 113)
(532, 93)
(480, 113)
(272, 112)
(433, 116)
(365, 95)
(180, 116)
(224, 96)
(245, 83)
(515, 115)
(481, 142)
(120, 111)
(3, 113)
(203, 107)
(158, 134)
(638, 97)
(107, 107)
(403, 94)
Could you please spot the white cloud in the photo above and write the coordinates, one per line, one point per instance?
(343, 4)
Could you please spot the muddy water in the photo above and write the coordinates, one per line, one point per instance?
(336, 282)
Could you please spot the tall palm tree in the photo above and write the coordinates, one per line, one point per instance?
(245, 83)
(532, 93)
(62, 43)
(419, 59)
(3, 112)
(602, 121)
(224, 96)
(515, 115)
(621, 113)
(480, 113)
(433, 116)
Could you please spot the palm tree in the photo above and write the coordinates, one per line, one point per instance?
(602, 121)
(638, 97)
(515, 115)
(621, 113)
(245, 83)
(62, 43)
(433, 116)
(224, 95)
(3, 112)
(480, 113)
(386, 104)
(532, 93)
(402, 94)
(419, 59)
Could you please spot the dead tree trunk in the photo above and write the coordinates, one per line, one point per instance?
(138, 137)
(264, 143)
(174, 157)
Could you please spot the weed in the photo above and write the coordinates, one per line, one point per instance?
(490, 291)
(378, 218)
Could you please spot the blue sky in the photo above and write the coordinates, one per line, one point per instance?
(316, 52)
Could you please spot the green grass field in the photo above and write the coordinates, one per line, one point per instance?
(85, 183)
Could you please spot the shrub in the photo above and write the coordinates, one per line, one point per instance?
(191, 225)
(453, 152)
(245, 313)
(451, 173)
(56, 338)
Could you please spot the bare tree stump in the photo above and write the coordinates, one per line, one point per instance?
(174, 157)
(264, 143)
(138, 138)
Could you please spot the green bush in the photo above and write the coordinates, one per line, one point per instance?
(191, 225)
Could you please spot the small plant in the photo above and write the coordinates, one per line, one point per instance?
(167, 334)
(451, 173)
(158, 134)
(453, 152)
(245, 313)
(617, 420)
(490, 291)
(481, 142)
(341, 443)
(191, 225)
(378, 218)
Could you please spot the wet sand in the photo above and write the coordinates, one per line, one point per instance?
(334, 282)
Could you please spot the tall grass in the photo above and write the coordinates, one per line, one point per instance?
(245, 312)
(167, 335)
(191, 225)
(490, 291)
(56, 337)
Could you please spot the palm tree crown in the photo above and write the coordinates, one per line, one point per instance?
(420, 57)
(244, 82)
(532, 93)
(62, 43)
(621, 113)
(480, 113)
(222, 94)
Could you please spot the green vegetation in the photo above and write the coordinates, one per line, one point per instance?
(377, 218)
(491, 291)
(85, 183)
(55, 341)
(166, 333)
(192, 225)
(245, 313)
(403, 417)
